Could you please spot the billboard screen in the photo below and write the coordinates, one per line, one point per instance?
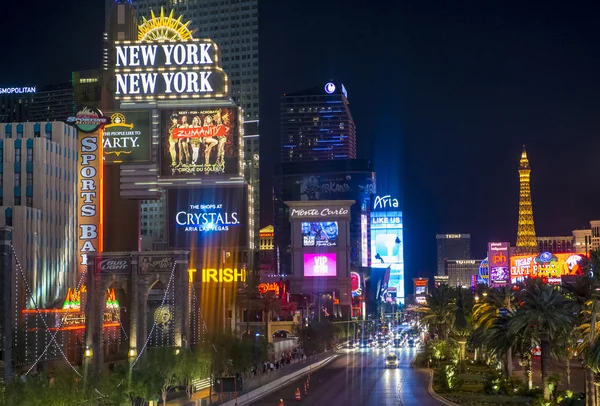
(128, 137)
(207, 217)
(320, 264)
(550, 267)
(321, 234)
(498, 263)
(200, 142)
(386, 238)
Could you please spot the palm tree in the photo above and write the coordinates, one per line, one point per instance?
(462, 328)
(492, 313)
(545, 311)
(440, 311)
(267, 303)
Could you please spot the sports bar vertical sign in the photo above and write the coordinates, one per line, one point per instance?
(89, 122)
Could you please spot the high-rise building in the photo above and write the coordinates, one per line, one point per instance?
(452, 246)
(461, 271)
(595, 234)
(316, 124)
(582, 241)
(266, 248)
(526, 242)
(14, 103)
(38, 174)
(351, 179)
(37, 104)
(555, 244)
(233, 25)
(87, 87)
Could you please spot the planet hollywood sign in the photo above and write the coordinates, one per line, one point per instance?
(172, 70)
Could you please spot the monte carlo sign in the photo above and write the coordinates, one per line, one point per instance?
(163, 70)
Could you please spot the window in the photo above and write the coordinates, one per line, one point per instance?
(17, 200)
(17, 155)
(29, 201)
(17, 179)
(29, 154)
(29, 179)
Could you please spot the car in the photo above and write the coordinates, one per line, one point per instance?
(411, 342)
(391, 361)
(382, 343)
(398, 343)
(365, 343)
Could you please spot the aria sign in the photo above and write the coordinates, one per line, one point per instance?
(168, 70)
(385, 203)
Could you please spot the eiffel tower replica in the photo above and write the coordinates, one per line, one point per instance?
(526, 241)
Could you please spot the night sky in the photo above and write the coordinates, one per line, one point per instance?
(444, 95)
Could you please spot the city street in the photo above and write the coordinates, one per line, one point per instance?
(359, 378)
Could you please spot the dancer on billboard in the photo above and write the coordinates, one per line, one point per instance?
(192, 138)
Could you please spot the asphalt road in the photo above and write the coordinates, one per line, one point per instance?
(360, 378)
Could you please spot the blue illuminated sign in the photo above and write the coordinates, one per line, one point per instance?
(329, 88)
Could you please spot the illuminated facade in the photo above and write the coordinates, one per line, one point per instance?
(387, 245)
(233, 25)
(37, 104)
(595, 234)
(350, 179)
(582, 241)
(451, 246)
(526, 241)
(460, 271)
(316, 124)
(38, 176)
(321, 271)
(555, 244)
(266, 247)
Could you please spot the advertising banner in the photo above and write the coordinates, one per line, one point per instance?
(200, 142)
(208, 217)
(127, 138)
(386, 238)
(148, 264)
(320, 264)
(89, 195)
(323, 234)
(334, 186)
(116, 265)
(498, 263)
(550, 267)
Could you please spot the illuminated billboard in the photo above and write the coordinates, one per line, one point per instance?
(207, 217)
(356, 281)
(550, 267)
(200, 142)
(185, 69)
(320, 264)
(127, 138)
(498, 263)
(89, 183)
(322, 234)
(386, 238)
(387, 245)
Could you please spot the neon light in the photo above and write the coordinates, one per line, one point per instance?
(268, 287)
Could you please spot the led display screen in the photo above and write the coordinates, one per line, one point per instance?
(548, 266)
(200, 142)
(207, 217)
(320, 264)
(420, 290)
(319, 234)
(127, 137)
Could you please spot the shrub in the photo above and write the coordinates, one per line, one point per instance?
(450, 379)
(513, 386)
(493, 384)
